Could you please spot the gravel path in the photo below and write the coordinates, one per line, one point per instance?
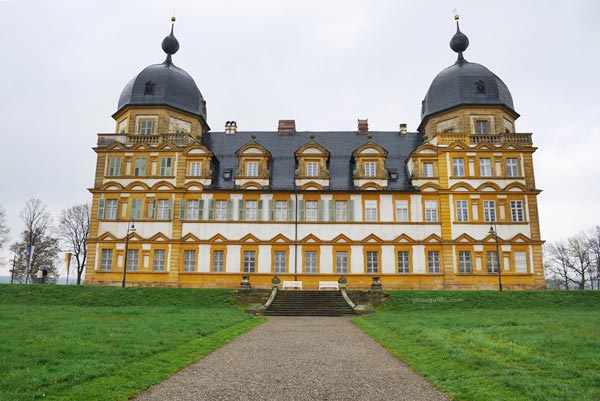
(298, 358)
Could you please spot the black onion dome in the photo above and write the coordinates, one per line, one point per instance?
(165, 85)
(464, 83)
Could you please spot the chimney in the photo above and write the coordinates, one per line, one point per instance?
(230, 127)
(403, 128)
(287, 127)
(363, 126)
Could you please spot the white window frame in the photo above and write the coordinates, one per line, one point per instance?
(516, 211)
(310, 262)
(371, 210)
(489, 211)
(458, 167)
(136, 208)
(485, 167)
(431, 211)
(220, 210)
(146, 126)
(218, 261)
(341, 210)
(111, 211)
(492, 262)
(433, 261)
(341, 262)
(158, 264)
(311, 210)
(193, 209)
(252, 169)
(133, 260)
(280, 261)
(312, 169)
(141, 164)
(370, 169)
(106, 260)
(251, 210)
(428, 170)
(166, 166)
(189, 260)
(372, 262)
(163, 211)
(114, 166)
(462, 211)
(281, 210)
(481, 127)
(195, 169)
(402, 211)
(465, 262)
(512, 167)
(403, 262)
(249, 261)
(521, 262)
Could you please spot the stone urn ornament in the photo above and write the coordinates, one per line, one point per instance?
(342, 281)
(275, 281)
(376, 284)
(245, 284)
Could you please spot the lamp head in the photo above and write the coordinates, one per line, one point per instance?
(132, 228)
(492, 230)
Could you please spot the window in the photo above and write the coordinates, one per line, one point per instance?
(370, 169)
(485, 167)
(521, 262)
(195, 169)
(221, 210)
(281, 210)
(492, 262)
(114, 166)
(139, 169)
(403, 262)
(164, 210)
(312, 169)
(311, 208)
(166, 166)
(251, 210)
(433, 261)
(280, 261)
(464, 262)
(427, 169)
(106, 260)
(372, 262)
(193, 210)
(341, 210)
(370, 210)
(136, 208)
(146, 127)
(512, 167)
(458, 167)
(341, 262)
(482, 127)
(112, 206)
(189, 261)
(462, 210)
(489, 211)
(249, 261)
(218, 261)
(132, 260)
(310, 262)
(159, 260)
(252, 169)
(516, 211)
(402, 210)
(431, 211)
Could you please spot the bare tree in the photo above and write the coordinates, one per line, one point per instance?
(37, 233)
(73, 229)
(593, 239)
(3, 227)
(558, 263)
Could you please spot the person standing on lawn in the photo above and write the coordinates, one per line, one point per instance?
(40, 276)
(44, 274)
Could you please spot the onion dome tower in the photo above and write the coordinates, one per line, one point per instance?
(465, 84)
(163, 86)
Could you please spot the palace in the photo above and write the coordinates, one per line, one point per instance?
(447, 207)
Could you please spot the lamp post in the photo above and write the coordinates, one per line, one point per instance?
(68, 256)
(130, 229)
(494, 231)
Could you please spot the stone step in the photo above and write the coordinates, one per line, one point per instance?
(309, 303)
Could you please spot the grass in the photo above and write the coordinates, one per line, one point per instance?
(106, 343)
(482, 345)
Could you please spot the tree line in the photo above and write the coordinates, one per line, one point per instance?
(48, 242)
(574, 263)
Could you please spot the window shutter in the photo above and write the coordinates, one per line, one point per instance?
(240, 209)
(290, 211)
(201, 209)
(171, 209)
(351, 210)
(320, 210)
(211, 209)
(271, 210)
(230, 209)
(100, 208)
(182, 209)
(331, 210)
(300, 210)
(151, 207)
(260, 210)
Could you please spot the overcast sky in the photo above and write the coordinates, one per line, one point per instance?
(323, 63)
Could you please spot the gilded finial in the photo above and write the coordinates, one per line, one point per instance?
(456, 17)
(173, 19)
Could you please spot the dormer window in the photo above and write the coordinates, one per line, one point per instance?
(481, 127)
(480, 87)
(312, 169)
(149, 88)
(252, 169)
(428, 170)
(370, 169)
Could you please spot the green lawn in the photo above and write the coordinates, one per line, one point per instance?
(106, 343)
(484, 345)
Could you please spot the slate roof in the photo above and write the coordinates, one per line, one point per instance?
(340, 144)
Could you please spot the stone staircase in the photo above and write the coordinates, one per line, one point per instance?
(309, 303)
